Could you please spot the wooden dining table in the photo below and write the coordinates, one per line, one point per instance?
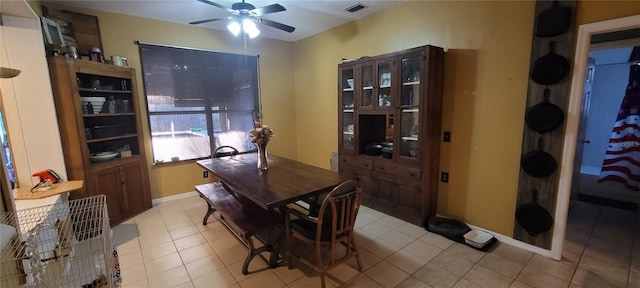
(286, 181)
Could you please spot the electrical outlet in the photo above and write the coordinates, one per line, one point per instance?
(447, 136)
(205, 174)
(444, 177)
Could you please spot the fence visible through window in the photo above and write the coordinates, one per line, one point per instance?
(198, 100)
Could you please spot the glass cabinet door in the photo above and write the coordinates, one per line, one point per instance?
(383, 96)
(347, 102)
(410, 106)
(410, 81)
(410, 132)
(347, 97)
(347, 129)
(367, 83)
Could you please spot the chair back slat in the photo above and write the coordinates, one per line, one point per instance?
(334, 223)
(343, 203)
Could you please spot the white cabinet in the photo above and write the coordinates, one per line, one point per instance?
(35, 141)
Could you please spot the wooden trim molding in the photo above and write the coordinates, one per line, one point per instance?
(573, 120)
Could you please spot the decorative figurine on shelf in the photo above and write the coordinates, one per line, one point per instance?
(260, 135)
(89, 108)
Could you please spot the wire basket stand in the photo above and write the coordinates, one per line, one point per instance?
(65, 244)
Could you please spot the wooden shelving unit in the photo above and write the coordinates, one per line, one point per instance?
(124, 180)
(395, 98)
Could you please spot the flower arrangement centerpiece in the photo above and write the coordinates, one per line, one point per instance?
(260, 135)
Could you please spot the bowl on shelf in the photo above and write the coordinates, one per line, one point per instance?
(373, 149)
(387, 152)
(103, 156)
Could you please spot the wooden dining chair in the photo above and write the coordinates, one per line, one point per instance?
(224, 151)
(326, 226)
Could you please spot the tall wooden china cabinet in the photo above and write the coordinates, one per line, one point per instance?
(92, 135)
(389, 129)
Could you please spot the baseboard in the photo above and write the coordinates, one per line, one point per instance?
(157, 201)
(516, 243)
(513, 242)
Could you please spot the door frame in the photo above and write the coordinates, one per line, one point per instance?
(580, 63)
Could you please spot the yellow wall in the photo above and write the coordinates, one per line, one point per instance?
(488, 46)
(118, 34)
(595, 11)
(486, 70)
(487, 62)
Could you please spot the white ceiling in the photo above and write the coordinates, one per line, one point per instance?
(307, 16)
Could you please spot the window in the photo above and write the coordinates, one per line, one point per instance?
(198, 100)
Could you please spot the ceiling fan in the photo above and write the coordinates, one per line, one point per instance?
(242, 11)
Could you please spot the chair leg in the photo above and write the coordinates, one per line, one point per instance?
(289, 264)
(352, 242)
(287, 244)
(319, 266)
(358, 260)
(322, 279)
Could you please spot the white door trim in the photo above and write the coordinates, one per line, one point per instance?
(573, 119)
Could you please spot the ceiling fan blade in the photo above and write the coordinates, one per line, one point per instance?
(217, 5)
(273, 8)
(206, 21)
(277, 25)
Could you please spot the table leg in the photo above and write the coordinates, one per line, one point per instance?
(277, 248)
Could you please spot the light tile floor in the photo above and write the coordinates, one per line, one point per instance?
(167, 246)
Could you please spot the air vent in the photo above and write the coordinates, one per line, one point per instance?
(355, 7)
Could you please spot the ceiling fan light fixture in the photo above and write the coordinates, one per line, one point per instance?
(249, 27)
(234, 27)
(245, 16)
(254, 33)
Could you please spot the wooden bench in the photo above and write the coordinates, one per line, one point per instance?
(244, 219)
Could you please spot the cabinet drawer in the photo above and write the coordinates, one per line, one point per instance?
(397, 170)
(356, 162)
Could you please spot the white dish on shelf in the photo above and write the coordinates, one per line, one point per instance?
(350, 82)
(101, 99)
(103, 156)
